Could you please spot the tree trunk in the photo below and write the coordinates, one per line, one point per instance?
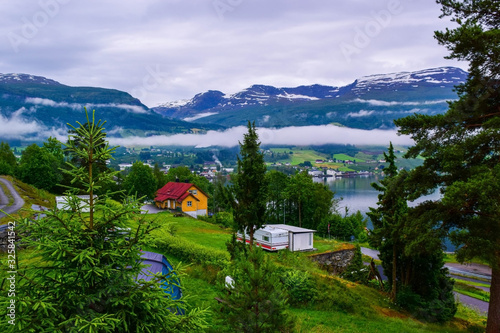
(394, 279)
(91, 185)
(493, 323)
(300, 214)
(250, 234)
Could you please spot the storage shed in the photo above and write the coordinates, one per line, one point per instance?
(299, 239)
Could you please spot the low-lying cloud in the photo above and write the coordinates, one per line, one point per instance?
(77, 106)
(360, 113)
(16, 127)
(375, 102)
(297, 136)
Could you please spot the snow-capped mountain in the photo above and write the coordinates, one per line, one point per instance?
(25, 78)
(34, 107)
(320, 104)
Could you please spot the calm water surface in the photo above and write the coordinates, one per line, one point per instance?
(358, 194)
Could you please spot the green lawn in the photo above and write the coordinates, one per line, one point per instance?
(196, 231)
(347, 157)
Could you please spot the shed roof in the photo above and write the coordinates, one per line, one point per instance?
(290, 228)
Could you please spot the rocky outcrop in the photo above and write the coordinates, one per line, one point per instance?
(334, 262)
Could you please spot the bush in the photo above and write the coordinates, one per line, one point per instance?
(187, 251)
(224, 219)
(299, 286)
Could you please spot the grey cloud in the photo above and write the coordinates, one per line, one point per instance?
(283, 43)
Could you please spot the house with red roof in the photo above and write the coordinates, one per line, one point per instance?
(184, 196)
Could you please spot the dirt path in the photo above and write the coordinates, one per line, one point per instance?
(18, 201)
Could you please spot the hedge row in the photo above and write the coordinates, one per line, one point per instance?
(188, 251)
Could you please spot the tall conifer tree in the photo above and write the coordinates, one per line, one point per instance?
(462, 147)
(250, 185)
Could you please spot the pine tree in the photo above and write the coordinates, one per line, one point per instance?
(462, 146)
(84, 264)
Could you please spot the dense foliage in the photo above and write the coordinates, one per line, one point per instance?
(140, 181)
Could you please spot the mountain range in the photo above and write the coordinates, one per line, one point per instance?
(34, 106)
(369, 102)
(37, 104)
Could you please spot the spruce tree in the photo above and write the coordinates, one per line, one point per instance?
(462, 146)
(250, 185)
(389, 218)
(410, 250)
(255, 300)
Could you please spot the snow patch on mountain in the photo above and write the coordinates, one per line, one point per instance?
(25, 78)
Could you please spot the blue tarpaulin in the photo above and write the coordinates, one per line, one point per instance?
(157, 263)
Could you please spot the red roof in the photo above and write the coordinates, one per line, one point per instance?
(174, 190)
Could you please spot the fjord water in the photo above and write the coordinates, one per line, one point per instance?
(358, 194)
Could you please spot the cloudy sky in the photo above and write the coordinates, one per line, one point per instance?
(165, 50)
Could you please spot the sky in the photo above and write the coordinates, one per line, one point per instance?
(166, 50)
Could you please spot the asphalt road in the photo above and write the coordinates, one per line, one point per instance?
(471, 272)
(4, 200)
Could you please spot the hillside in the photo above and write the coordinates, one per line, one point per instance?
(369, 102)
(341, 306)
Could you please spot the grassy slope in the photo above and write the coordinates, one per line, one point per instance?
(352, 307)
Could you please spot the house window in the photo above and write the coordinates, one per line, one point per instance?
(194, 192)
(189, 203)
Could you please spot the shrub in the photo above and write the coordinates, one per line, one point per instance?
(356, 271)
(299, 286)
(437, 310)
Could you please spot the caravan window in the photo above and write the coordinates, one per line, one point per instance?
(265, 238)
